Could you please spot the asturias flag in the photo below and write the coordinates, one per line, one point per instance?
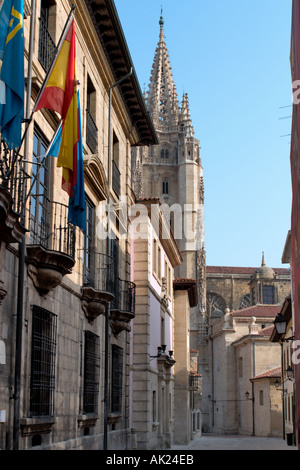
(60, 94)
(12, 71)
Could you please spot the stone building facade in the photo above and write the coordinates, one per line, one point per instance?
(241, 352)
(172, 171)
(67, 300)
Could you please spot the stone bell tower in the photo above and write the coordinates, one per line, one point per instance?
(172, 171)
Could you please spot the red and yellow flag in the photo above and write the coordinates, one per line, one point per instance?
(60, 95)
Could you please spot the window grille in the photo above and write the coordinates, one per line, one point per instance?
(117, 379)
(88, 243)
(91, 372)
(47, 46)
(268, 295)
(43, 352)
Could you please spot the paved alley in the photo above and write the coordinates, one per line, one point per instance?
(222, 442)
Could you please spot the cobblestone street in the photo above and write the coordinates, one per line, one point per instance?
(220, 442)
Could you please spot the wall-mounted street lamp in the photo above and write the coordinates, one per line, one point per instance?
(280, 325)
(248, 396)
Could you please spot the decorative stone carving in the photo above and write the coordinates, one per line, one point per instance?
(47, 268)
(93, 302)
(120, 321)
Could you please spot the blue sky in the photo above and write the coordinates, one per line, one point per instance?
(232, 58)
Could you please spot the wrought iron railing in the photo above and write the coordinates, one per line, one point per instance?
(98, 269)
(116, 179)
(13, 177)
(124, 299)
(49, 226)
(91, 133)
(47, 46)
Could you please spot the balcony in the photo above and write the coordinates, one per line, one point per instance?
(98, 283)
(91, 133)
(12, 189)
(51, 248)
(122, 309)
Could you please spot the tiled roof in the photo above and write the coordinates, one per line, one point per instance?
(258, 311)
(240, 270)
(266, 331)
(273, 373)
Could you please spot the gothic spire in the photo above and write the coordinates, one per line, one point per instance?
(185, 121)
(162, 99)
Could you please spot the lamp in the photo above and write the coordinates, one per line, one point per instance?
(247, 395)
(277, 384)
(280, 324)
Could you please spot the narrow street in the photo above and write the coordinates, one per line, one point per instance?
(222, 442)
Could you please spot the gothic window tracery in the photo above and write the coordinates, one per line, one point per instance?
(215, 302)
(245, 302)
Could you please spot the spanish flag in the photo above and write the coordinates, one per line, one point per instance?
(60, 95)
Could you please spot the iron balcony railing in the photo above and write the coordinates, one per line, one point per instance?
(49, 226)
(13, 177)
(47, 46)
(124, 299)
(91, 133)
(98, 271)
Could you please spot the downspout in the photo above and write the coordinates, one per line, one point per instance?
(253, 397)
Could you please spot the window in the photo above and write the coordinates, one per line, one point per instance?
(261, 397)
(43, 351)
(165, 187)
(39, 221)
(46, 43)
(91, 128)
(240, 367)
(89, 243)
(116, 175)
(268, 295)
(159, 262)
(91, 373)
(164, 153)
(154, 406)
(117, 379)
(154, 256)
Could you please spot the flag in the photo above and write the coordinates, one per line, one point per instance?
(77, 215)
(60, 94)
(12, 71)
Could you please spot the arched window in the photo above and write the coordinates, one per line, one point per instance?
(164, 153)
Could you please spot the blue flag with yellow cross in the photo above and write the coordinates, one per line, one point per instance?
(12, 71)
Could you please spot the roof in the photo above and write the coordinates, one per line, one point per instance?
(269, 374)
(241, 270)
(266, 331)
(258, 311)
(190, 285)
(109, 30)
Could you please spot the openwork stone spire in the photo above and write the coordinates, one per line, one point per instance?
(162, 99)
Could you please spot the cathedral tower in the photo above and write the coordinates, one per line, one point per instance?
(172, 171)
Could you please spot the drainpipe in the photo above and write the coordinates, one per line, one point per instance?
(253, 398)
(107, 309)
(22, 247)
